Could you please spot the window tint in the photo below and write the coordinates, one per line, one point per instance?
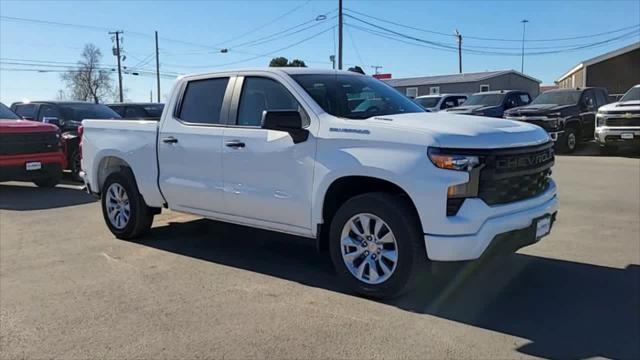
(202, 101)
(524, 99)
(26, 110)
(134, 112)
(588, 101)
(601, 98)
(511, 101)
(449, 102)
(118, 109)
(6, 113)
(259, 94)
(48, 111)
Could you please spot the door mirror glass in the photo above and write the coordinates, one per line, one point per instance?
(285, 120)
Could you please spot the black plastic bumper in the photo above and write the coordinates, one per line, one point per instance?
(511, 241)
(20, 173)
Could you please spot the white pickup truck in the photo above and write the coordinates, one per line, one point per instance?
(337, 157)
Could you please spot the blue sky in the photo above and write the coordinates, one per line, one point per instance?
(200, 27)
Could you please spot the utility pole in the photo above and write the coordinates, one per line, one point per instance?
(339, 34)
(375, 68)
(157, 67)
(524, 26)
(117, 34)
(459, 36)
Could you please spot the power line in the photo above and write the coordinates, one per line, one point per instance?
(398, 24)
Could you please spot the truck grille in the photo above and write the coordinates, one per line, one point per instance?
(515, 174)
(623, 122)
(29, 143)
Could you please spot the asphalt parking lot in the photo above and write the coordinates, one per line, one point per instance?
(195, 288)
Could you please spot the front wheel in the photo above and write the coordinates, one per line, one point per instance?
(569, 140)
(377, 246)
(124, 210)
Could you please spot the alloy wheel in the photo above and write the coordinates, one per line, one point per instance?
(118, 207)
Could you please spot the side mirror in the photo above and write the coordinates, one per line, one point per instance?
(285, 120)
(53, 120)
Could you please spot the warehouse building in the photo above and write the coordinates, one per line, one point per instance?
(467, 83)
(617, 71)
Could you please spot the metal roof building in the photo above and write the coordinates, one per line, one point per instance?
(617, 71)
(466, 83)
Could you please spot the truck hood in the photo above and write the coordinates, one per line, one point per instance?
(540, 109)
(463, 131)
(626, 106)
(24, 126)
(467, 109)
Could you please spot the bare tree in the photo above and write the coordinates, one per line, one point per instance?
(89, 82)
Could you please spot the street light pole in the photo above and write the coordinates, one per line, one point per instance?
(524, 26)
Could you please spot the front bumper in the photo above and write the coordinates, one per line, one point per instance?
(498, 220)
(20, 173)
(613, 135)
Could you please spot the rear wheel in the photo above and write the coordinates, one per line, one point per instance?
(377, 246)
(47, 182)
(123, 209)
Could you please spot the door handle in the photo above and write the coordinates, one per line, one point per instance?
(170, 140)
(236, 144)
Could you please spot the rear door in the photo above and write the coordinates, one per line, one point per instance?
(267, 179)
(190, 144)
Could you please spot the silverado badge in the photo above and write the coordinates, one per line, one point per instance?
(628, 115)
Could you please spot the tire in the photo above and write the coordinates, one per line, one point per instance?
(608, 150)
(140, 216)
(74, 165)
(411, 258)
(47, 182)
(569, 140)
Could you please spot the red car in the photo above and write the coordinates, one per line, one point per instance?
(29, 150)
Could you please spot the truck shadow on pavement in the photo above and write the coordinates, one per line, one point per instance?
(565, 309)
(22, 198)
(591, 149)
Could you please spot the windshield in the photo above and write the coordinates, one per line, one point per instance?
(355, 97)
(485, 99)
(79, 112)
(428, 102)
(6, 113)
(558, 98)
(154, 110)
(632, 95)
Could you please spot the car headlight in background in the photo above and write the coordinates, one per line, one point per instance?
(600, 119)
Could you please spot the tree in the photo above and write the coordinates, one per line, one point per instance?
(284, 62)
(279, 62)
(89, 82)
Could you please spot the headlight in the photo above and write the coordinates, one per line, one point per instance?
(554, 115)
(453, 161)
(600, 120)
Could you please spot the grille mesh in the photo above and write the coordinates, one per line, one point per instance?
(13, 144)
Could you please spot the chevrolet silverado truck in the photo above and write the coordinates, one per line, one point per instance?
(568, 115)
(387, 188)
(491, 103)
(618, 124)
(29, 151)
(68, 116)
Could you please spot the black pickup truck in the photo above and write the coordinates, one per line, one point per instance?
(568, 115)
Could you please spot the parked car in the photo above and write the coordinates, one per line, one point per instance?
(143, 111)
(435, 103)
(29, 150)
(567, 114)
(386, 189)
(68, 116)
(492, 103)
(618, 124)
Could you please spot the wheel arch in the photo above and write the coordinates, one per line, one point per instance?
(346, 187)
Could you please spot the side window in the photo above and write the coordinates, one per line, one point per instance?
(601, 98)
(48, 111)
(524, 99)
(202, 101)
(511, 101)
(134, 112)
(449, 102)
(26, 111)
(588, 102)
(260, 94)
(460, 100)
(118, 109)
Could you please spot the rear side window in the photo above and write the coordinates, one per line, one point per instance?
(134, 112)
(601, 98)
(48, 111)
(26, 110)
(202, 101)
(524, 99)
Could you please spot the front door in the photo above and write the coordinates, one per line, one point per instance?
(190, 147)
(267, 178)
